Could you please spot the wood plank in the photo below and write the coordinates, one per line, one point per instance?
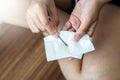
(22, 56)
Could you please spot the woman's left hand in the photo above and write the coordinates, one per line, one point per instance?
(84, 17)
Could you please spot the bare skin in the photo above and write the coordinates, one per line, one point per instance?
(42, 15)
(104, 62)
(84, 17)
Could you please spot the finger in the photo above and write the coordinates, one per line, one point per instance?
(75, 22)
(36, 30)
(72, 29)
(92, 29)
(67, 25)
(45, 22)
(53, 13)
(28, 22)
(51, 30)
(82, 29)
(53, 22)
(32, 25)
(37, 21)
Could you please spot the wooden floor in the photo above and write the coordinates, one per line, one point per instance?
(22, 56)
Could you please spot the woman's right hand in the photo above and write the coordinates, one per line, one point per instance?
(42, 16)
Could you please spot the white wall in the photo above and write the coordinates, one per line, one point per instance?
(13, 11)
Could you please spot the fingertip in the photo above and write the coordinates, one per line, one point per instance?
(89, 33)
(67, 25)
(64, 28)
(70, 58)
(37, 31)
(77, 37)
(33, 31)
(55, 35)
(56, 32)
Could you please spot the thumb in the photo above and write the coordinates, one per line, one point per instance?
(44, 18)
(53, 17)
(53, 13)
(82, 29)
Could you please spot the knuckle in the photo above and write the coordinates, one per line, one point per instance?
(46, 24)
(43, 29)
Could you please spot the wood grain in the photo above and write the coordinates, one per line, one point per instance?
(22, 56)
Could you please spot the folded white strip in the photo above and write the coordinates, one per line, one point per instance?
(56, 49)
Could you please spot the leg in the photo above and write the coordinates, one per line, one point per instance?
(98, 66)
(104, 62)
(14, 13)
(70, 69)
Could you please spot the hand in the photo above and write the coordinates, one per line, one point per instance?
(42, 16)
(84, 17)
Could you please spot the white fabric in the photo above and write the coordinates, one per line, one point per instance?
(56, 49)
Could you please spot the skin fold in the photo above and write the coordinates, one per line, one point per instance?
(104, 62)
